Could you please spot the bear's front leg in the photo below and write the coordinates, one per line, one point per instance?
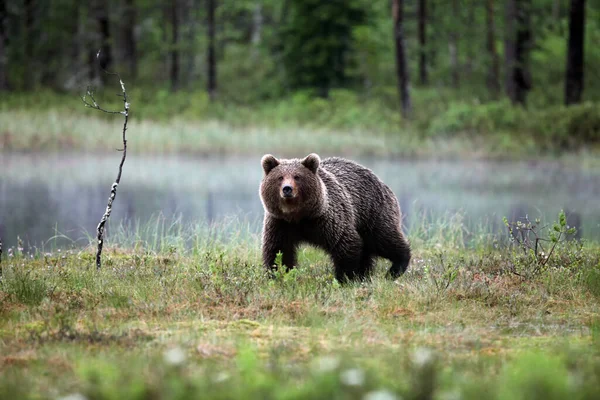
(270, 251)
(347, 257)
(277, 237)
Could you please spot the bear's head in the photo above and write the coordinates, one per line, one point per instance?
(291, 189)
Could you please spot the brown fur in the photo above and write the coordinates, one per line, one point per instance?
(336, 205)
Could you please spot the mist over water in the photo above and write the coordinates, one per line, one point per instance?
(42, 195)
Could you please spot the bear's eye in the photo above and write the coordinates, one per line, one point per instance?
(296, 178)
(280, 178)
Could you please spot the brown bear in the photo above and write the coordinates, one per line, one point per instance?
(335, 204)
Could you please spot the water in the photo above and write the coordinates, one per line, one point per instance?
(44, 195)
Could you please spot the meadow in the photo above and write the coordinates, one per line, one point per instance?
(444, 126)
(193, 314)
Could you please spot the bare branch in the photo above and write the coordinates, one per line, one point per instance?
(0, 258)
(93, 104)
(113, 190)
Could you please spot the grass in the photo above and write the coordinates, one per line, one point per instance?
(347, 124)
(194, 315)
(54, 130)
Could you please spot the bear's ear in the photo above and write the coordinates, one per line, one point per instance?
(269, 162)
(312, 162)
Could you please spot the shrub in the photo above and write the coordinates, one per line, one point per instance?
(555, 128)
(477, 118)
(566, 128)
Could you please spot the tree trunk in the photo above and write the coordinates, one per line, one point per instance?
(423, 42)
(129, 38)
(101, 15)
(174, 53)
(471, 32)
(575, 53)
(283, 17)
(211, 58)
(493, 81)
(510, 47)
(100, 52)
(191, 21)
(257, 27)
(556, 12)
(401, 65)
(453, 44)
(517, 48)
(29, 39)
(89, 40)
(257, 24)
(521, 73)
(79, 40)
(433, 30)
(3, 51)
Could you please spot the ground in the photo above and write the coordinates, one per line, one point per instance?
(171, 321)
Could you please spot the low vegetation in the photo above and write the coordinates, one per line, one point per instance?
(163, 122)
(193, 314)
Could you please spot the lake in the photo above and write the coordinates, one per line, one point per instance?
(42, 195)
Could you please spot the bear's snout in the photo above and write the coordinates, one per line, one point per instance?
(287, 190)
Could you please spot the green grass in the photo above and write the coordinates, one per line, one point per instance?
(193, 315)
(443, 126)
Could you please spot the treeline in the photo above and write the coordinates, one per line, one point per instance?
(252, 50)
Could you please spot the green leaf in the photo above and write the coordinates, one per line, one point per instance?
(562, 218)
(557, 228)
(279, 259)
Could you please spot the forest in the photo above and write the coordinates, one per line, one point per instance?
(438, 68)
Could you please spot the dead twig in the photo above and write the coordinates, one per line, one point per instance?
(526, 235)
(113, 190)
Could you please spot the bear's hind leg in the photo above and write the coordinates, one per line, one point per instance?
(395, 248)
(398, 267)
